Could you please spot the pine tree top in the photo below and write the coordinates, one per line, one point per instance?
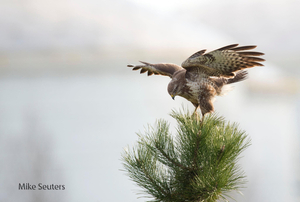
(199, 163)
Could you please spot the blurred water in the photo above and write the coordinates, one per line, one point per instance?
(86, 120)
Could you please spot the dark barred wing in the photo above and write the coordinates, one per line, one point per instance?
(157, 69)
(224, 61)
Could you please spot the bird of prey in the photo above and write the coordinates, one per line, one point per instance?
(202, 76)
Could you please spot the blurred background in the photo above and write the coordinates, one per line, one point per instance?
(69, 105)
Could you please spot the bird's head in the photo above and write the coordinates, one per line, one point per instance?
(173, 89)
(177, 83)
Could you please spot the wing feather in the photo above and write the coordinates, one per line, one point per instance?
(241, 48)
(143, 71)
(156, 69)
(223, 62)
(254, 59)
(198, 53)
(227, 47)
(250, 53)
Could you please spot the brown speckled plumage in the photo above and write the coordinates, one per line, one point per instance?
(203, 76)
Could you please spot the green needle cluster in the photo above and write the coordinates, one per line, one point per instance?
(198, 163)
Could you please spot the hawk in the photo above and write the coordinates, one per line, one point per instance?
(202, 76)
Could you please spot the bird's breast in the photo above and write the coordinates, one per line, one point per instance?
(193, 90)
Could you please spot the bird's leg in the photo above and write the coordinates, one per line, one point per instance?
(195, 113)
(202, 118)
(206, 105)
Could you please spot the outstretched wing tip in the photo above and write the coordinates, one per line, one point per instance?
(228, 47)
(134, 67)
(156, 69)
(145, 63)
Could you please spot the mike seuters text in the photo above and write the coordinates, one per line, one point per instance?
(40, 186)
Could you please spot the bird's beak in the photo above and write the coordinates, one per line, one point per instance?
(173, 97)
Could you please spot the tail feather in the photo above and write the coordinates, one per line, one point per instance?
(223, 88)
(240, 76)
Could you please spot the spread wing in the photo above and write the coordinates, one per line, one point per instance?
(157, 69)
(223, 62)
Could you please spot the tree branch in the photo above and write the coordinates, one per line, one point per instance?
(195, 164)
